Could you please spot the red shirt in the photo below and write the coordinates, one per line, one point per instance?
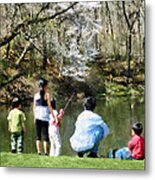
(137, 147)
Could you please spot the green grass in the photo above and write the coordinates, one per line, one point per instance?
(33, 160)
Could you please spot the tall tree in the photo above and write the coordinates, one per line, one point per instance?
(130, 18)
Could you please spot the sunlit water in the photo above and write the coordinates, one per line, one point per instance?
(118, 113)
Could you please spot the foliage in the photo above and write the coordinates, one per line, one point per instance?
(65, 40)
(114, 89)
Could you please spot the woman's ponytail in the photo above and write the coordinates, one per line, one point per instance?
(42, 83)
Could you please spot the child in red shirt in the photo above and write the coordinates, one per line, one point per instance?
(137, 145)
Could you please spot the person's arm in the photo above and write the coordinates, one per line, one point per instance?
(50, 108)
(131, 144)
(23, 123)
(9, 121)
(103, 125)
(60, 114)
(24, 127)
(34, 106)
(9, 125)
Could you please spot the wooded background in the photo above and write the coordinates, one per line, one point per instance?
(95, 48)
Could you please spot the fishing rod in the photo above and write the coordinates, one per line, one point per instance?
(69, 100)
(61, 111)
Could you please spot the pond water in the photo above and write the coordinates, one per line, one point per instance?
(118, 112)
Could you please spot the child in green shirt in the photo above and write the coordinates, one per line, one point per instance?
(16, 119)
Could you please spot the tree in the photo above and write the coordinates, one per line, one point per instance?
(67, 40)
(130, 17)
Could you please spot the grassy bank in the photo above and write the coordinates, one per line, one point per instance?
(32, 160)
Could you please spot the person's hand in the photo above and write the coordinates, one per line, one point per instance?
(61, 111)
(61, 114)
(55, 119)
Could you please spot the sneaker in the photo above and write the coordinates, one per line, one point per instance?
(13, 151)
(92, 155)
(80, 154)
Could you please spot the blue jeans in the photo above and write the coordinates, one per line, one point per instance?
(98, 137)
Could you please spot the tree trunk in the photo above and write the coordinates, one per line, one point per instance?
(111, 28)
(129, 41)
(129, 50)
(96, 36)
(44, 52)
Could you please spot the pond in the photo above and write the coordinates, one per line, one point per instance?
(118, 112)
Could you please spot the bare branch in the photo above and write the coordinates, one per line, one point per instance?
(16, 30)
(26, 49)
(41, 20)
(45, 6)
(11, 79)
(5, 40)
(125, 15)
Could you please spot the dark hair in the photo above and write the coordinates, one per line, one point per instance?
(42, 83)
(138, 128)
(53, 103)
(90, 103)
(16, 101)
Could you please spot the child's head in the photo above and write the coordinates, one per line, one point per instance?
(137, 128)
(16, 102)
(53, 103)
(90, 103)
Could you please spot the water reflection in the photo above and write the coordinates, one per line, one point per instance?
(118, 113)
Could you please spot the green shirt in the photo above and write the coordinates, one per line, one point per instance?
(16, 117)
